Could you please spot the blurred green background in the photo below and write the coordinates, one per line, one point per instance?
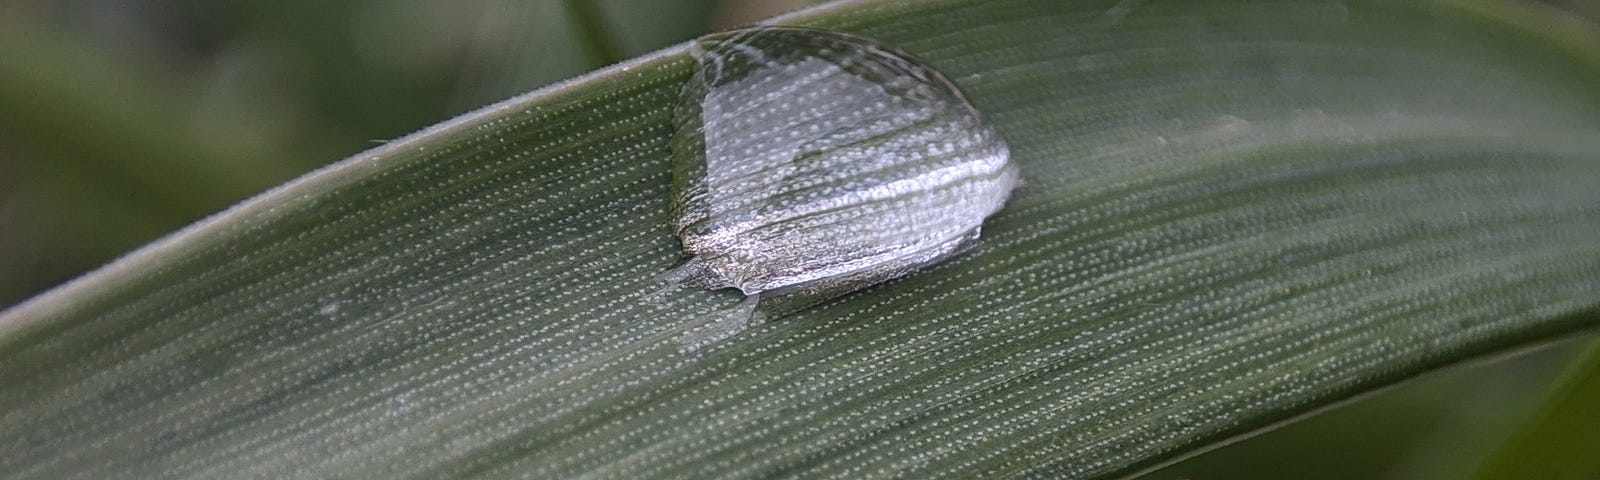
(121, 121)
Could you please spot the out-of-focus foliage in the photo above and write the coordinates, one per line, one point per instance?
(1558, 442)
(121, 121)
(1435, 428)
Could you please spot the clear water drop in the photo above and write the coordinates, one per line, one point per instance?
(815, 163)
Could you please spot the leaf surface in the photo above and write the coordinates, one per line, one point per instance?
(1235, 213)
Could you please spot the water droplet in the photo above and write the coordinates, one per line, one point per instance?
(815, 163)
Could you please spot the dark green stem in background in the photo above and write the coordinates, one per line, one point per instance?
(597, 38)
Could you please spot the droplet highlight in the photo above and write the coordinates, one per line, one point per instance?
(816, 163)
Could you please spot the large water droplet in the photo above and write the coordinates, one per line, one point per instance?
(817, 162)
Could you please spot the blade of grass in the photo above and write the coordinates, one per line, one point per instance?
(1235, 213)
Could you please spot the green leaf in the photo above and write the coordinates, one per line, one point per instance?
(1558, 441)
(1236, 212)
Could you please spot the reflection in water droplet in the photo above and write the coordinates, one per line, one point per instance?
(815, 163)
